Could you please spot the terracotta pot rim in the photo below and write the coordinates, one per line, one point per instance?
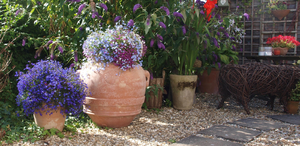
(181, 75)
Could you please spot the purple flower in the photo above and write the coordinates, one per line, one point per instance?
(183, 30)
(151, 76)
(117, 18)
(23, 42)
(156, 2)
(216, 42)
(38, 3)
(221, 20)
(232, 38)
(233, 47)
(202, 12)
(151, 42)
(80, 8)
(72, 65)
(226, 34)
(95, 14)
(219, 64)
(49, 43)
(165, 9)
(246, 15)
(221, 27)
(51, 57)
(218, 33)
(148, 19)
(130, 22)
(176, 14)
(205, 44)
(60, 49)
(216, 6)
(160, 45)
(103, 6)
(218, 16)
(136, 6)
(80, 28)
(160, 37)
(17, 12)
(75, 56)
(237, 7)
(162, 25)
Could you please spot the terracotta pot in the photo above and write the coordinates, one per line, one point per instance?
(280, 13)
(155, 101)
(283, 51)
(292, 107)
(55, 120)
(183, 91)
(209, 83)
(116, 96)
(277, 52)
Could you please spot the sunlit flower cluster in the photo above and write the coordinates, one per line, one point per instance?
(283, 41)
(119, 45)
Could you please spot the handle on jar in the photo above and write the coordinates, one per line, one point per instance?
(147, 74)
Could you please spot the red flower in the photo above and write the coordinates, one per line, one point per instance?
(283, 41)
(209, 5)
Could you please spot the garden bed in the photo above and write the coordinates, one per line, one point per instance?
(162, 127)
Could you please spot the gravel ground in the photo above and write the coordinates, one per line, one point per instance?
(170, 125)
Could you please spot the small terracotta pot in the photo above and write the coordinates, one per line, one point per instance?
(209, 83)
(55, 120)
(2, 133)
(283, 51)
(292, 107)
(280, 13)
(277, 52)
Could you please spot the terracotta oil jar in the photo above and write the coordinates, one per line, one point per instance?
(116, 96)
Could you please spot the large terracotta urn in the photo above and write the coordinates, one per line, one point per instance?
(48, 121)
(209, 83)
(115, 96)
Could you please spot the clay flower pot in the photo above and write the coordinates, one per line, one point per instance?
(116, 96)
(280, 13)
(48, 121)
(209, 82)
(292, 107)
(283, 51)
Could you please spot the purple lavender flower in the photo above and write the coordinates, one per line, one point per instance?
(205, 44)
(237, 7)
(221, 20)
(218, 16)
(160, 37)
(232, 38)
(151, 42)
(75, 56)
(17, 12)
(23, 42)
(176, 14)
(80, 28)
(226, 34)
(216, 42)
(246, 15)
(117, 18)
(160, 45)
(219, 64)
(183, 30)
(156, 1)
(103, 6)
(72, 65)
(218, 33)
(130, 22)
(162, 25)
(202, 12)
(216, 6)
(165, 9)
(233, 47)
(60, 49)
(95, 14)
(80, 8)
(51, 57)
(221, 27)
(136, 6)
(151, 76)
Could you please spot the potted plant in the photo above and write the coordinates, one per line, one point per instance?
(278, 8)
(293, 102)
(50, 93)
(187, 25)
(220, 45)
(113, 73)
(283, 43)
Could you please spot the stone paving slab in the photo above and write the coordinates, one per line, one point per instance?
(231, 133)
(292, 119)
(259, 124)
(201, 141)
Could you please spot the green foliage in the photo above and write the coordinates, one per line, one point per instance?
(295, 93)
(172, 140)
(168, 103)
(154, 89)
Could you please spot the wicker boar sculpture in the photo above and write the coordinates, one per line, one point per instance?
(242, 81)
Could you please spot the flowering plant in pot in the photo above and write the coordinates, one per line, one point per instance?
(278, 8)
(113, 73)
(283, 43)
(294, 99)
(48, 90)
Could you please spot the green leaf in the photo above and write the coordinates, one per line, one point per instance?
(184, 15)
(154, 16)
(197, 12)
(224, 58)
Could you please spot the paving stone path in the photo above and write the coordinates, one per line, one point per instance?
(234, 134)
